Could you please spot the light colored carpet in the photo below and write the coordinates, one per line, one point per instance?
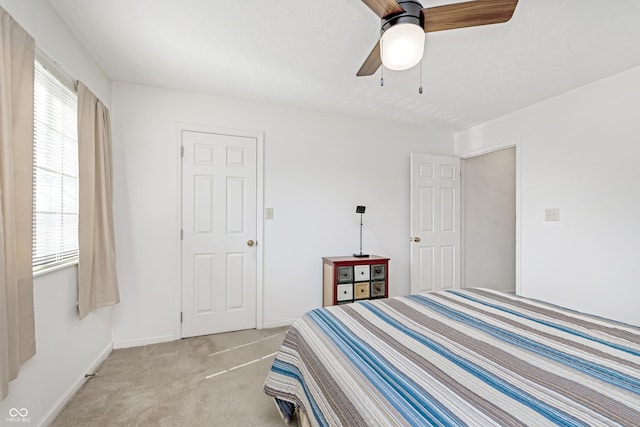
(166, 384)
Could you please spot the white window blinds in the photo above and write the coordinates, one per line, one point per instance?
(55, 172)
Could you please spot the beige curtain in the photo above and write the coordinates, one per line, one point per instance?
(97, 281)
(17, 333)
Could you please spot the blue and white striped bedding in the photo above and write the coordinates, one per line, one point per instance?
(458, 357)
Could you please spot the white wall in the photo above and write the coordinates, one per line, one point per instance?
(318, 167)
(579, 152)
(66, 347)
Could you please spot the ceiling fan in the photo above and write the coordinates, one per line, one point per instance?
(405, 22)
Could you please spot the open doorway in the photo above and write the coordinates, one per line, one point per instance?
(489, 221)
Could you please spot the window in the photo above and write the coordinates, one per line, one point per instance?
(55, 172)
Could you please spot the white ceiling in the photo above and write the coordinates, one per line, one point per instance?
(305, 54)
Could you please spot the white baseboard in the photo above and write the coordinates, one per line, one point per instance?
(168, 338)
(59, 405)
(278, 323)
(144, 341)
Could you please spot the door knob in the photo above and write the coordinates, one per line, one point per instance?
(416, 239)
(250, 242)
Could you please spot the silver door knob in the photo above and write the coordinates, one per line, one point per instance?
(416, 239)
(250, 242)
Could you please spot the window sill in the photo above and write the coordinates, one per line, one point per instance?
(55, 268)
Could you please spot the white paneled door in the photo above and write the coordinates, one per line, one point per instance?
(435, 222)
(219, 217)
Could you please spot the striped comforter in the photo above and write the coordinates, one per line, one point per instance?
(458, 357)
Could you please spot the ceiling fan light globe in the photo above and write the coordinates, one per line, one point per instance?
(402, 46)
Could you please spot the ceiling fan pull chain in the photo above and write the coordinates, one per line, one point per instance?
(420, 88)
(382, 67)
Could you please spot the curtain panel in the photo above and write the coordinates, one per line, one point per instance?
(97, 281)
(17, 331)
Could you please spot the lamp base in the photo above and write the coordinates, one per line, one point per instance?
(361, 255)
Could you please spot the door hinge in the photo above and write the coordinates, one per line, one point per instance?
(182, 151)
(180, 317)
(181, 234)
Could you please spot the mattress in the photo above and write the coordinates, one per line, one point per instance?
(459, 357)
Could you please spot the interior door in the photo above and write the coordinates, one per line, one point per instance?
(435, 222)
(219, 226)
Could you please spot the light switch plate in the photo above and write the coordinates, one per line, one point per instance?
(268, 213)
(552, 214)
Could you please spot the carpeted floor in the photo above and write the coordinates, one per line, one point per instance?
(213, 380)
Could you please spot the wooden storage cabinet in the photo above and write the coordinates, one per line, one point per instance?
(346, 279)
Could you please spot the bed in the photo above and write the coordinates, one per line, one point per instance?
(457, 357)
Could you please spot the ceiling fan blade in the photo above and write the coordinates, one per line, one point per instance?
(372, 63)
(384, 8)
(467, 14)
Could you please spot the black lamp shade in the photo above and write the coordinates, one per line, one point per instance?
(360, 210)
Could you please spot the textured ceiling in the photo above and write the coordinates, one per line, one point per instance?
(305, 54)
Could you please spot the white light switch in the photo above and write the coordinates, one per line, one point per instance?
(268, 213)
(552, 214)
